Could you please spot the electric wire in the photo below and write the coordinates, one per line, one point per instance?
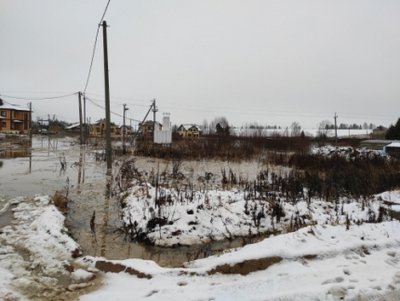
(94, 47)
(125, 100)
(38, 98)
(114, 113)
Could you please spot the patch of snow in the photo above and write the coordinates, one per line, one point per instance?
(359, 263)
(35, 248)
(390, 196)
(81, 275)
(349, 153)
(187, 218)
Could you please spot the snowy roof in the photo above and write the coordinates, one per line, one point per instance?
(188, 126)
(9, 106)
(394, 144)
(73, 126)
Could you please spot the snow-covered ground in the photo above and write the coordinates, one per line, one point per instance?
(347, 152)
(318, 251)
(314, 263)
(329, 260)
(36, 253)
(311, 132)
(187, 218)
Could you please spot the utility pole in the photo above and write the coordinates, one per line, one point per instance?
(335, 117)
(123, 130)
(80, 118)
(107, 100)
(30, 120)
(84, 119)
(154, 118)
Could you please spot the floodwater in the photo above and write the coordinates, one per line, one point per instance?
(47, 165)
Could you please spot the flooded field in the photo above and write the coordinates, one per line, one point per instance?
(46, 165)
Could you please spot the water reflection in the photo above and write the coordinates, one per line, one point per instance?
(64, 166)
(51, 143)
(81, 166)
(16, 148)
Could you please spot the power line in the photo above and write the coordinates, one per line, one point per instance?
(125, 100)
(114, 113)
(38, 98)
(94, 47)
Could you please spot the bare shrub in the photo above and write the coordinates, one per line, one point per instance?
(127, 173)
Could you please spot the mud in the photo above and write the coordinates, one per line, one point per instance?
(107, 266)
(247, 266)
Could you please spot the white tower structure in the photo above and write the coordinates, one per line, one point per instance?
(164, 136)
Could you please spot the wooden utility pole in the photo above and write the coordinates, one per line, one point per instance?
(123, 130)
(80, 118)
(335, 117)
(30, 120)
(84, 119)
(154, 118)
(107, 100)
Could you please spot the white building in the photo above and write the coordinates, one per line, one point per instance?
(164, 135)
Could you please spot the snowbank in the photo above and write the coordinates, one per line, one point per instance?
(194, 217)
(362, 262)
(35, 251)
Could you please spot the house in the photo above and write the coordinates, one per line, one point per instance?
(379, 132)
(189, 131)
(147, 128)
(98, 129)
(14, 119)
(127, 130)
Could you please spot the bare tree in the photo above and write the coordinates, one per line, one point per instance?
(295, 129)
(323, 128)
(219, 125)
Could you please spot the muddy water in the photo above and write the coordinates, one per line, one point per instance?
(50, 165)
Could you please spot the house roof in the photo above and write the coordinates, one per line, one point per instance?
(395, 144)
(188, 126)
(8, 106)
(73, 126)
(149, 123)
(376, 141)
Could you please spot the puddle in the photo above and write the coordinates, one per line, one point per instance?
(62, 165)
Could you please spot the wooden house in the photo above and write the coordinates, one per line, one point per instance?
(189, 131)
(147, 128)
(98, 130)
(14, 119)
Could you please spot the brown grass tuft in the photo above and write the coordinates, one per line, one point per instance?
(247, 266)
(60, 201)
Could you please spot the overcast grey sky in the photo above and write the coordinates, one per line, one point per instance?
(271, 62)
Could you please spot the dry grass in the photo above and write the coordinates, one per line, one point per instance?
(247, 266)
(60, 201)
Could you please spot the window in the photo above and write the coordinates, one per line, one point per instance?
(3, 113)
